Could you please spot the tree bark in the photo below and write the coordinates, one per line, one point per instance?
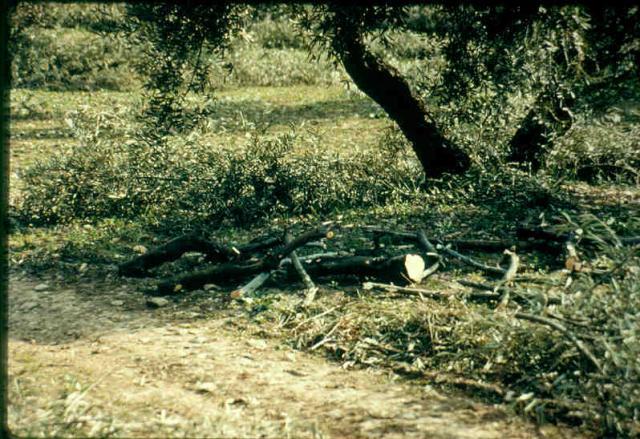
(174, 249)
(388, 268)
(385, 85)
(549, 118)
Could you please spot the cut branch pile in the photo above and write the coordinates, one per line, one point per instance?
(265, 257)
(395, 267)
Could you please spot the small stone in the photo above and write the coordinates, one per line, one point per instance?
(257, 343)
(157, 302)
(199, 340)
(41, 287)
(28, 306)
(205, 387)
(117, 302)
(209, 287)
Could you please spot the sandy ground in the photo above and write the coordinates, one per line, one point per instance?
(94, 360)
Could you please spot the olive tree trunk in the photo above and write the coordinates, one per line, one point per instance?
(386, 86)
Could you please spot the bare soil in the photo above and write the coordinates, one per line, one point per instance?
(92, 359)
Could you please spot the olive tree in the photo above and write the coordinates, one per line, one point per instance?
(566, 57)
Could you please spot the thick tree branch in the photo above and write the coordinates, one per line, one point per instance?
(385, 85)
(173, 250)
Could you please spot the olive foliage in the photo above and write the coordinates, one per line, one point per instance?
(539, 64)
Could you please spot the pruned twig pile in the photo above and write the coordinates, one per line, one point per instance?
(533, 339)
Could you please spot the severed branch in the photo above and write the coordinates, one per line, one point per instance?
(401, 268)
(173, 250)
(252, 286)
(560, 328)
(233, 271)
(260, 244)
(430, 249)
(311, 288)
(220, 274)
(470, 261)
(322, 231)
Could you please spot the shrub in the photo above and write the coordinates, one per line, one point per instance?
(276, 33)
(181, 182)
(255, 66)
(599, 149)
(62, 59)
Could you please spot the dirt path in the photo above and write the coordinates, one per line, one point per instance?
(93, 360)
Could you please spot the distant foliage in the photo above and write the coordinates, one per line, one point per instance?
(251, 66)
(70, 47)
(276, 32)
(180, 182)
(55, 60)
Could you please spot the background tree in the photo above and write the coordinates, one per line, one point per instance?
(558, 58)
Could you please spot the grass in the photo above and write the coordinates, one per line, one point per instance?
(438, 341)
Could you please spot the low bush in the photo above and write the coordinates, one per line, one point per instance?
(181, 182)
(600, 149)
(275, 67)
(63, 59)
(51, 15)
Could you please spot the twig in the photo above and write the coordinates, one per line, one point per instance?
(514, 263)
(501, 288)
(406, 290)
(429, 271)
(536, 280)
(469, 261)
(525, 232)
(428, 293)
(508, 277)
(560, 328)
(479, 244)
(326, 337)
(252, 286)
(442, 378)
(317, 316)
(311, 288)
(314, 256)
